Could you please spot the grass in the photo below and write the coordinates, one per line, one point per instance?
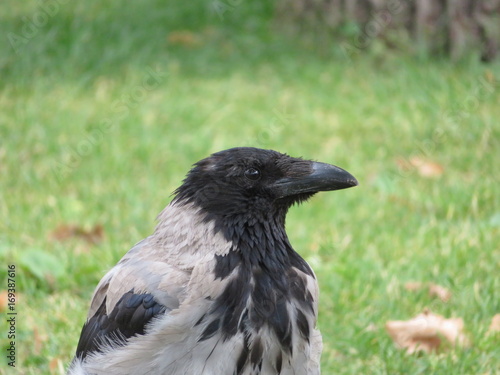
(89, 135)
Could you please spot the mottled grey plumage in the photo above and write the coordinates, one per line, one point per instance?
(217, 289)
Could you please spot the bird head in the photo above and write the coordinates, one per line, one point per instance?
(250, 181)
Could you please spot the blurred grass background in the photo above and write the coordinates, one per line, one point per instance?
(105, 105)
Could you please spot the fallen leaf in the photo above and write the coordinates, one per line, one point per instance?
(38, 340)
(426, 168)
(4, 300)
(371, 328)
(184, 38)
(64, 232)
(403, 164)
(495, 324)
(490, 77)
(440, 292)
(413, 286)
(55, 365)
(426, 332)
(435, 290)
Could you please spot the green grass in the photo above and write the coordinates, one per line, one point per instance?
(88, 137)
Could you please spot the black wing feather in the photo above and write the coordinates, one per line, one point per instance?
(128, 318)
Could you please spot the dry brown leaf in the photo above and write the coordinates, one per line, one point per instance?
(426, 168)
(440, 292)
(372, 327)
(435, 290)
(64, 232)
(54, 365)
(413, 286)
(4, 300)
(184, 38)
(490, 77)
(403, 164)
(495, 324)
(38, 340)
(426, 332)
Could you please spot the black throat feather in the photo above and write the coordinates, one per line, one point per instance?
(267, 275)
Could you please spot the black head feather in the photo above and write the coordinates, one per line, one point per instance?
(239, 180)
(248, 182)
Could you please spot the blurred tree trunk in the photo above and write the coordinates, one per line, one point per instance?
(454, 27)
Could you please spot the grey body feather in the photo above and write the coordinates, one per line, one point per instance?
(181, 278)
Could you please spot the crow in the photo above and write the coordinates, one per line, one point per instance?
(217, 289)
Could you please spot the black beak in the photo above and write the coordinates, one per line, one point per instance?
(324, 177)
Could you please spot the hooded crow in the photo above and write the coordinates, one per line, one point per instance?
(217, 289)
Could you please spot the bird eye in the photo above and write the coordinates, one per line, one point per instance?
(252, 174)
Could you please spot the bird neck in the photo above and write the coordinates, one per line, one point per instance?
(257, 244)
(256, 235)
(252, 240)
